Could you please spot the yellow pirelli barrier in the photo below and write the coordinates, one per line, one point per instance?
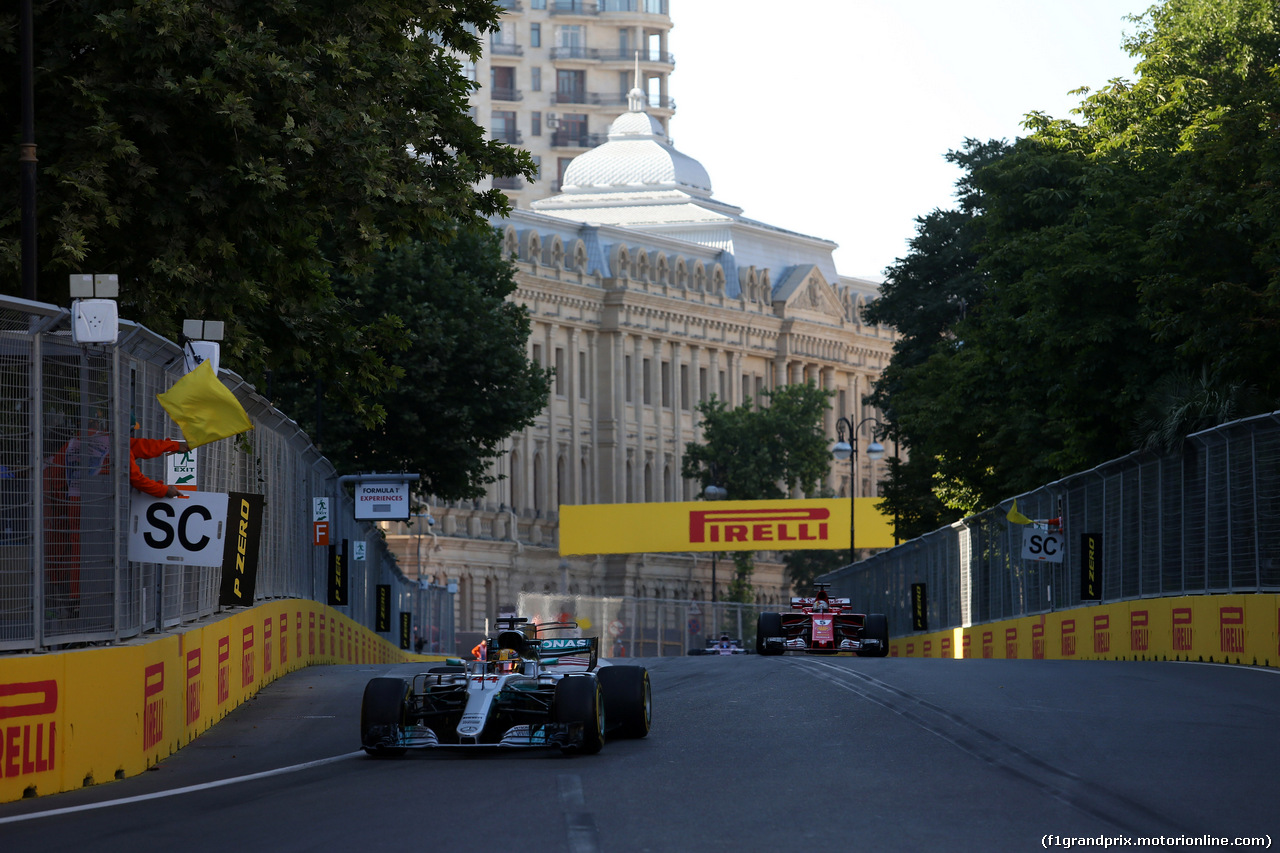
(1236, 629)
(780, 525)
(93, 715)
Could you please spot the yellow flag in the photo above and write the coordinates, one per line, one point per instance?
(203, 408)
(1015, 516)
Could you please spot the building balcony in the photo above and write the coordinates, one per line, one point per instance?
(647, 7)
(657, 102)
(511, 183)
(500, 48)
(574, 139)
(503, 93)
(511, 137)
(609, 7)
(573, 7)
(651, 56)
(591, 54)
(509, 5)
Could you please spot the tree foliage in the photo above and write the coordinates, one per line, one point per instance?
(1099, 264)
(761, 453)
(466, 384)
(234, 160)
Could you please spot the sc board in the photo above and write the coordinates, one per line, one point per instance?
(1042, 545)
(189, 531)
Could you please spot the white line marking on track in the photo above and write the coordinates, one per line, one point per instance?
(279, 771)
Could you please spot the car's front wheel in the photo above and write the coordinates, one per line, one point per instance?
(382, 715)
(768, 625)
(627, 703)
(876, 627)
(578, 700)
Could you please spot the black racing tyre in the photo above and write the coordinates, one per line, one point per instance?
(578, 700)
(453, 667)
(876, 627)
(628, 708)
(382, 715)
(768, 625)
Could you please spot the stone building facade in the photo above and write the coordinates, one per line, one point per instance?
(647, 295)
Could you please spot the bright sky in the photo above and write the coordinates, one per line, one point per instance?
(831, 117)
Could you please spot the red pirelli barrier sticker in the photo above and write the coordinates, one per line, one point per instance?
(1231, 629)
(1068, 638)
(1182, 629)
(224, 668)
(1102, 634)
(153, 705)
(28, 732)
(1139, 630)
(193, 686)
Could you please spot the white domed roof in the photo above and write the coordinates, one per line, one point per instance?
(638, 156)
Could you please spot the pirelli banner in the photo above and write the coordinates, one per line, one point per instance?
(782, 525)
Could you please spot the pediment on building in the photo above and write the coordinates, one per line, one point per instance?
(805, 292)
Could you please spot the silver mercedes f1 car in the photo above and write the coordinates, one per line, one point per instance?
(535, 686)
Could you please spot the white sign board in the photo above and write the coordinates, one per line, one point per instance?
(382, 501)
(180, 469)
(1042, 545)
(183, 531)
(357, 550)
(319, 509)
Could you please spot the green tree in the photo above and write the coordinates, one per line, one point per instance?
(1110, 257)
(467, 383)
(804, 566)
(925, 296)
(762, 453)
(231, 160)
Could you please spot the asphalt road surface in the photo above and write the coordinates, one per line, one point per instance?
(746, 754)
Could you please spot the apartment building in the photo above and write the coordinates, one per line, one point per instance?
(557, 74)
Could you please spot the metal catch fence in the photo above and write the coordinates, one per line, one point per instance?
(67, 411)
(646, 627)
(1203, 519)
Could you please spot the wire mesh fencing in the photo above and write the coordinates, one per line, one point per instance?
(646, 627)
(1202, 519)
(67, 413)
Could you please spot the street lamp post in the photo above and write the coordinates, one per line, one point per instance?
(848, 449)
(714, 493)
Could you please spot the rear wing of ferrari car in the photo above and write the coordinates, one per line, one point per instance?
(805, 603)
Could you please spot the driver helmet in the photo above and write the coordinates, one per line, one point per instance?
(820, 605)
(508, 660)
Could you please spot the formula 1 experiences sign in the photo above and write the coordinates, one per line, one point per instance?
(382, 501)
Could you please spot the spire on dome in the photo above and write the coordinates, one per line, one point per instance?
(636, 98)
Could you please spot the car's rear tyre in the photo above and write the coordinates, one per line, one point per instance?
(628, 707)
(578, 700)
(382, 715)
(876, 627)
(768, 625)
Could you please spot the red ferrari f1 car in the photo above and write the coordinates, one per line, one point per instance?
(822, 625)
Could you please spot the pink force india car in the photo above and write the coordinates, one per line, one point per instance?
(819, 624)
